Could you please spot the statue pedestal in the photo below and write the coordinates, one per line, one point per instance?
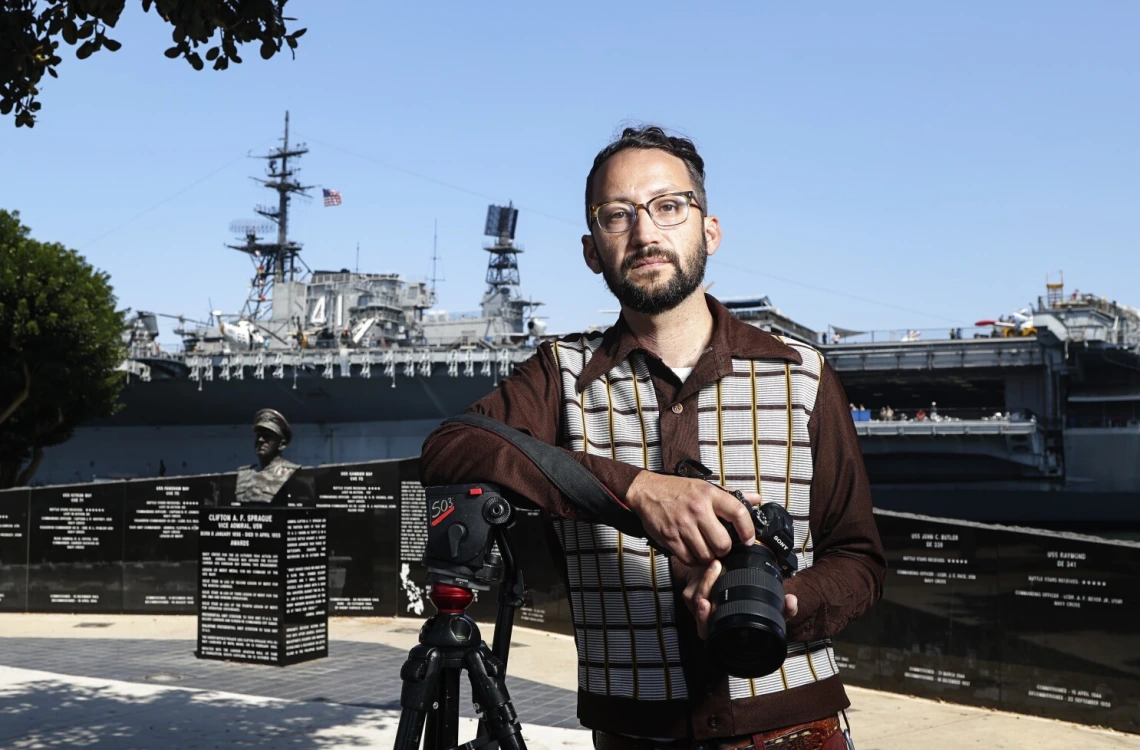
(263, 585)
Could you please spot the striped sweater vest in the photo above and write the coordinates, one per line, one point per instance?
(753, 432)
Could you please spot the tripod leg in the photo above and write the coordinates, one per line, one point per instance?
(443, 729)
(490, 693)
(420, 674)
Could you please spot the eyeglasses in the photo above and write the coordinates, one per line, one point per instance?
(667, 210)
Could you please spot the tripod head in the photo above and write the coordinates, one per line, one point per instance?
(468, 549)
(463, 520)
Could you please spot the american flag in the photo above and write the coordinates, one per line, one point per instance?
(332, 197)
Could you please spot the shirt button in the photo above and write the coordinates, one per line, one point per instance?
(714, 721)
(677, 408)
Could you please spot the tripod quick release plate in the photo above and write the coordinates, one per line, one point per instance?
(460, 519)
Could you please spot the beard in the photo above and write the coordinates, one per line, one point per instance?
(652, 299)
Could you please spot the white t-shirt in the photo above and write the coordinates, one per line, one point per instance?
(682, 372)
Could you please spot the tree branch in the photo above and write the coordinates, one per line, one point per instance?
(30, 470)
(38, 451)
(20, 397)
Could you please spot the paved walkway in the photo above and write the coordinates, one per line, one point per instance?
(107, 682)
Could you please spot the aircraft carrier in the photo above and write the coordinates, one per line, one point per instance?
(1032, 418)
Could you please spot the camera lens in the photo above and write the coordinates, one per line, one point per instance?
(747, 632)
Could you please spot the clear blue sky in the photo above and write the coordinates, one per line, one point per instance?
(940, 157)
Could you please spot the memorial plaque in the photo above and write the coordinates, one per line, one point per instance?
(857, 650)
(306, 631)
(362, 504)
(14, 550)
(160, 562)
(941, 608)
(76, 548)
(263, 585)
(413, 601)
(1070, 614)
(547, 607)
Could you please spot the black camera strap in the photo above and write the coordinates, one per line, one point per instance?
(566, 474)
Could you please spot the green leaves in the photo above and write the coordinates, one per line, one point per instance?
(61, 338)
(31, 31)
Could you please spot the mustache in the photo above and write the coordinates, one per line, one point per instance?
(649, 253)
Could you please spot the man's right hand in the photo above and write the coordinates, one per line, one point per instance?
(684, 515)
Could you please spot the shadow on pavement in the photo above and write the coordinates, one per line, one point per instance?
(40, 712)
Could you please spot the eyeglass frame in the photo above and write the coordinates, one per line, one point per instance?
(689, 195)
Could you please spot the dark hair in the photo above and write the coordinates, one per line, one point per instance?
(652, 136)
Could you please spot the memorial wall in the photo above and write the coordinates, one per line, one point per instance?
(14, 550)
(1042, 623)
(1036, 622)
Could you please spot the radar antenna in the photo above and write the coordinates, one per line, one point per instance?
(503, 265)
(503, 298)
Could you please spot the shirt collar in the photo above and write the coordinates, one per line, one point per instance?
(731, 337)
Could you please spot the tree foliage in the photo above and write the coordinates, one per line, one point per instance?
(31, 32)
(61, 342)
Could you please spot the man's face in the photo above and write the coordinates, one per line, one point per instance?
(266, 443)
(649, 269)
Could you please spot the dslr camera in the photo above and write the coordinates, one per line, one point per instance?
(747, 633)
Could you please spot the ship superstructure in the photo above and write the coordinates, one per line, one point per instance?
(297, 323)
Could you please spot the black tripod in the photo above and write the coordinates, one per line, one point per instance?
(449, 643)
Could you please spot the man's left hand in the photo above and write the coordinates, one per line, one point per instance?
(698, 583)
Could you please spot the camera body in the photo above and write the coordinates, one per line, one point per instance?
(774, 528)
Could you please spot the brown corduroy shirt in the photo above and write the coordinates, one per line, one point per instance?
(844, 581)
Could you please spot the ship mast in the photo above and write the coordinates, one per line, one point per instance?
(274, 262)
(502, 299)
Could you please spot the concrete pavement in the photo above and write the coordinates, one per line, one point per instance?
(133, 682)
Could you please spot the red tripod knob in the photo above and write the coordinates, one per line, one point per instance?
(450, 600)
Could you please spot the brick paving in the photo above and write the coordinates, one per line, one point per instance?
(354, 674)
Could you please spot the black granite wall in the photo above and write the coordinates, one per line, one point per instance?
(1036, 622)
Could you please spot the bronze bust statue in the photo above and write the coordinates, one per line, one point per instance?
(264, 482)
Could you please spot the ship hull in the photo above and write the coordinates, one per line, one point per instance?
(308, 399)
(181, 427)
(188, 427)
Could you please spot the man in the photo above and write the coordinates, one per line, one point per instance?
(677, 377)
(271, 480)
